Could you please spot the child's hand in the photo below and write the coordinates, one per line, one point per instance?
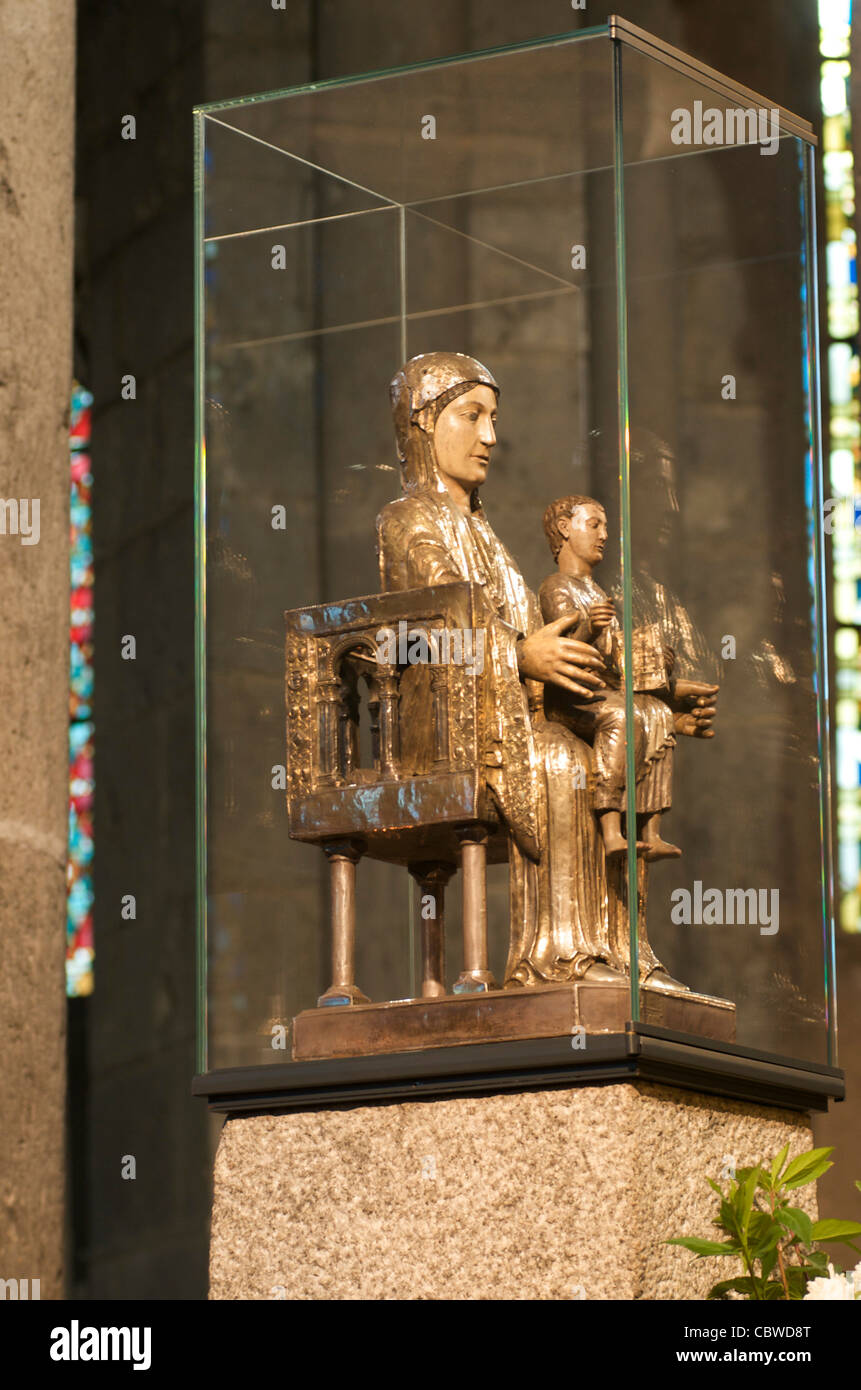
(601, 615)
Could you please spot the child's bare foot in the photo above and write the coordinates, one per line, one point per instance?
(615, 846)
(656, 848)
(661, 849)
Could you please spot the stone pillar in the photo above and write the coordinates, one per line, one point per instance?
(37, 44)
(549, 1194)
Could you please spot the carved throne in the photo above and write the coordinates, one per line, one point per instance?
(417, 795)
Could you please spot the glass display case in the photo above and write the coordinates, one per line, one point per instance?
(417, 855)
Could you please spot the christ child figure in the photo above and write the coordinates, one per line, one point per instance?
(576, 530)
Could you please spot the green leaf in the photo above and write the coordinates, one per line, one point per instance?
(836, 1230)
(719, 1291)
(715, 1187)
(763, 1229)
(705, 1247)
(809, 1175)
(773, 1291)
(804, 1160)
(858, 1184)
(728, 1218)
(797, 1221)
(793, 1176)
(817, 1261)
(742, 1174)
(769, 1260)
(779, 1162)
(765, 1244)
(744, 1205)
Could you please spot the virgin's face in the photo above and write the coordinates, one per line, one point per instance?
(463, 438)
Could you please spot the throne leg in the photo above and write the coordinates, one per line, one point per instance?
(475, 978)
(343, 856)
(432, 878)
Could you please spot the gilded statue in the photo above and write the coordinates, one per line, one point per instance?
(576, 530)
(565, 924)
(509, 747)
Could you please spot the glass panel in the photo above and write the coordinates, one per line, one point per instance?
(491, 206)
(723, 575)
(345, 232)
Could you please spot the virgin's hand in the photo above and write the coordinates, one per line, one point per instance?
(690, 693)
(695, 725)
(695, 708)
(548, 656)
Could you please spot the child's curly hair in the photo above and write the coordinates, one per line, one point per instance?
(563, 506)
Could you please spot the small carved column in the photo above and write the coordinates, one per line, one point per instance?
(387, 687)
(346, 733)
(343, 856)
(432, 878)
(439, 692)
(329, 706)
(475, 976)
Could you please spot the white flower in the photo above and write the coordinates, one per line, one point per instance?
(835, 1286)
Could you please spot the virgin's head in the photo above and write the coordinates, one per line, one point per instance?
(444, 405)
(463, 437)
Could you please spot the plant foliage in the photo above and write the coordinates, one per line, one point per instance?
(774, 1240)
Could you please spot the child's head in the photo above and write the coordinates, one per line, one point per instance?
(563, 510)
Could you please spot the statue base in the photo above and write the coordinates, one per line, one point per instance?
(557, 1193)
(537, 1011)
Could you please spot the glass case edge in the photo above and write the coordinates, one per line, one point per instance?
(591, 32)
(201, 1028)
(631, 34)
(823, 692)
(624, 438)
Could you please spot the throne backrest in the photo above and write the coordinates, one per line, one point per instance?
(419, 658)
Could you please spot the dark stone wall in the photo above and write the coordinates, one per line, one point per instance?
(132, 1042)
(133, 1039)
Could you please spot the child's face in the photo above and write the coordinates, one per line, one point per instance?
(586, 533)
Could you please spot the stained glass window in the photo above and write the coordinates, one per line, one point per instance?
(844, 375)
(79, 864)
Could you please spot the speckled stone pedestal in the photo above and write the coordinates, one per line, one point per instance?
(550, 1194)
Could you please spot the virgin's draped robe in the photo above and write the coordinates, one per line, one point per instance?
(539, 772)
